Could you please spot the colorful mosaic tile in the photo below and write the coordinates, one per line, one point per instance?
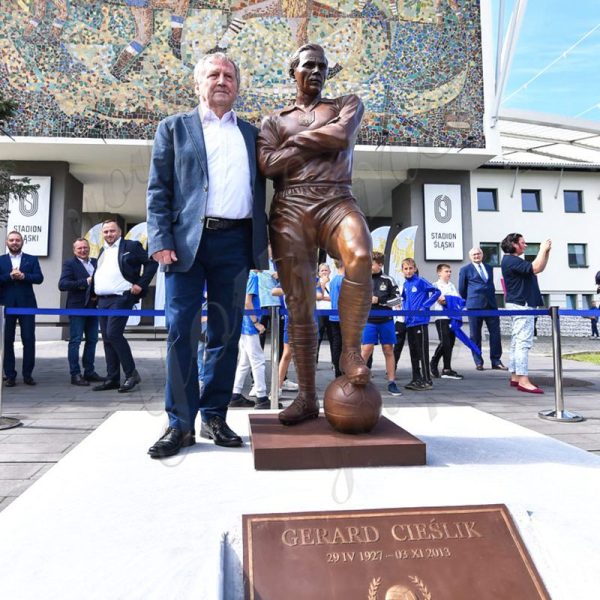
(112, 69)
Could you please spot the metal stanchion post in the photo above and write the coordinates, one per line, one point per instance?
(274, 356)
(559, 413)
(5, 422)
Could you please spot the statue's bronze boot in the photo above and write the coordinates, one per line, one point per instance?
(303, 342)
(354, 306)
(301, 409)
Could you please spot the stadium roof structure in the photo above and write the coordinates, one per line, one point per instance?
(531, 139)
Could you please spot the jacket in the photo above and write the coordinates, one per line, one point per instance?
(477, 293)
(19, 293)
(73, 280)
(384, 289)
(178, 191)
(418, 294)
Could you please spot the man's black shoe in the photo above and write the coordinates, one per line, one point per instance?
(239, 401)
(107, 384)
(29, 381)
(479, 367)
(220, 433)
(499, 367)
(171, 442)
(435, 371)
(93, 377)
(79, 380)
(9, 382)
(130, 382)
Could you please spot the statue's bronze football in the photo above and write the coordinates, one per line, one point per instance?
(351, 408)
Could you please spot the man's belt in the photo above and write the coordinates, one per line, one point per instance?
(215, 223)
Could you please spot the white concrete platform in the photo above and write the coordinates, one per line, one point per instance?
(107, 522)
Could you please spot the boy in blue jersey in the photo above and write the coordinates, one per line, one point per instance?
(417, 294)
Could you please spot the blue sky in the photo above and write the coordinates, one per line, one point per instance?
(570, 87)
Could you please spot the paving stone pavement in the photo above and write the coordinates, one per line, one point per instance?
(56, 415)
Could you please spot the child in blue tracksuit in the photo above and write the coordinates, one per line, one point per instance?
(417, 294)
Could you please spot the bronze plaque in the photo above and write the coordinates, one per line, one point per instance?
(447, 553)
(315, 444)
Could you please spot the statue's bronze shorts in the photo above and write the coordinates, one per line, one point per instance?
(304, 217)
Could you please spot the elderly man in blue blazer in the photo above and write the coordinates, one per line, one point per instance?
(19, 272)
(476, 286)
(206, 224)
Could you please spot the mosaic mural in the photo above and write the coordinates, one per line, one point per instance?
(114, 68)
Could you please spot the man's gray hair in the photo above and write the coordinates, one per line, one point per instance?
(475, 249)
(208, 58)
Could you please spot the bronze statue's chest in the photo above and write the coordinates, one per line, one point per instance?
(298, 121)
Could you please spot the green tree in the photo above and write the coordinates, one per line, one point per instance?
(10, 186)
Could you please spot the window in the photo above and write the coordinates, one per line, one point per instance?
(491, 253)
(487, 199)
(545, 299)
(531, 251)
(577, 255)
(571, 301)
(587, 301)
(573, 201)
(530, 201)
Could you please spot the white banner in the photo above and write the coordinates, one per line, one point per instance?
(379, 237)
(31, 216)
(403, 247)
(443, 222)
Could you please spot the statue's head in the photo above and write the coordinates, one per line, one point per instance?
(308, 66)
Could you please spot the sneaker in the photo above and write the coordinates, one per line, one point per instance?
(290, 386)
(434, 370)
(427, 384)
(263, 403)
(238, 401)
(415, 385)
(392, 389)
(450, 374)
(252, 392)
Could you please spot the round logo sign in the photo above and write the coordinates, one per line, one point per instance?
(29, 206)
(442, 208)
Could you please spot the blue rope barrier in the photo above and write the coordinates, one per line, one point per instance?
(89, 312)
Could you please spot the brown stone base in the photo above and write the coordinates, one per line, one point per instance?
(315, 445)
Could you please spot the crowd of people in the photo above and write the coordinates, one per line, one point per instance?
(117, 280)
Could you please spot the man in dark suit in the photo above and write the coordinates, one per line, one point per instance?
(18, 274)
(76, 280)
(476, 286)
(205, 232)
(122, 277)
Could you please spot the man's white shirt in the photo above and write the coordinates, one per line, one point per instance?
(229, 191)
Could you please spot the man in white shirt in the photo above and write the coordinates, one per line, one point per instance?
(206, 223)
(122, 277)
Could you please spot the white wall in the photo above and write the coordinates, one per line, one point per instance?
(552, 222)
